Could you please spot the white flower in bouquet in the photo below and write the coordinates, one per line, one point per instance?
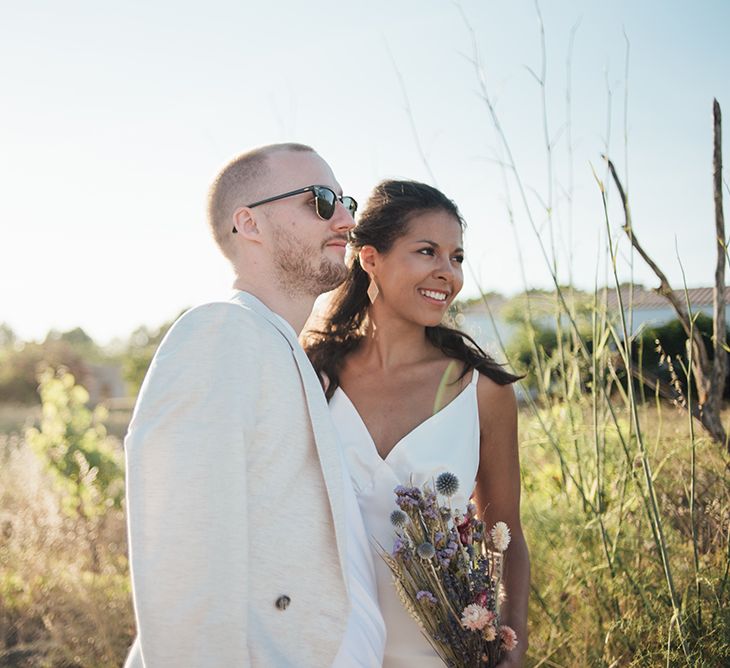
(500, 536)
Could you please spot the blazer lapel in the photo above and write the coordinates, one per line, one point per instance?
(328, 451)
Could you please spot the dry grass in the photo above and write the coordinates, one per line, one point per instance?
(64, 587)
(65, 595)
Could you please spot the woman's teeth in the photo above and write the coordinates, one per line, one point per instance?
(440, 296)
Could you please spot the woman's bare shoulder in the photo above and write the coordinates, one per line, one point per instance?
(497, 403)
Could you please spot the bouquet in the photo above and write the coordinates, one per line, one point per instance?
(447, 571)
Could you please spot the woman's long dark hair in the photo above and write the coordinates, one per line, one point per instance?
(384, 219)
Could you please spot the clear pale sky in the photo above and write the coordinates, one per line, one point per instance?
(116, 116)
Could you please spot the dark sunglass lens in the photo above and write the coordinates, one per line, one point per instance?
(325, 203)
(350, 204)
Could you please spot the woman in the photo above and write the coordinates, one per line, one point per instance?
(411, 398)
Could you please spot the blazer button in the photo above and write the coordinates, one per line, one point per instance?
(282, 603)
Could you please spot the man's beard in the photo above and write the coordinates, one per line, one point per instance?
(297, 271)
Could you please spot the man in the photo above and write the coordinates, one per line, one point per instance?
(246, 543)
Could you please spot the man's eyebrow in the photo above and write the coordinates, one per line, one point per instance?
(458, 249)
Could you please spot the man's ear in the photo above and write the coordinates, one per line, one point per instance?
(245, 224)
(368, 257)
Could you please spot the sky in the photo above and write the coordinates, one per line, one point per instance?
(116, 116)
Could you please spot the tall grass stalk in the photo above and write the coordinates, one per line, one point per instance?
(549, 206)
(693, 445)
(655, 517)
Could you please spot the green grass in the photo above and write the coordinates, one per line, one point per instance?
(609, 606)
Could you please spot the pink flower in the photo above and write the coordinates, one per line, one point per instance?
(476, 617)
(508, 638)
(465, 531)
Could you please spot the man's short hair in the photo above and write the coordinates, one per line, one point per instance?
(238, 184)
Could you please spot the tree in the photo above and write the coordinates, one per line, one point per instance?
(22, 364)
(140, 349)
(709, 371)
(7, 335)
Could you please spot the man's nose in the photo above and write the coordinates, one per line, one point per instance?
(342, 219)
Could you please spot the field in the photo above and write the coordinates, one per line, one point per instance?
(600, 592)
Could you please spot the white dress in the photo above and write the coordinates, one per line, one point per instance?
(447, 441)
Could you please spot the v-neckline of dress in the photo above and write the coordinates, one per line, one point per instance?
(407, 435)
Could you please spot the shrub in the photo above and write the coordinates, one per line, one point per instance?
(73, 444)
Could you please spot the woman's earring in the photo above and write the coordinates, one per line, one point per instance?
(373, 291)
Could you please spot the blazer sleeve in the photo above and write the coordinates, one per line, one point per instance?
(186, 490)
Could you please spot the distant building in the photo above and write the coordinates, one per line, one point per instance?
(650, 308)
(647, 309)
(486, 324)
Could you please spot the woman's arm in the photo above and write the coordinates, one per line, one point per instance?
(498, 499)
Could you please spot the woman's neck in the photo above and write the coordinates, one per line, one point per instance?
(391, 342)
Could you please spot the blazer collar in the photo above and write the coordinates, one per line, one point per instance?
(246, 299)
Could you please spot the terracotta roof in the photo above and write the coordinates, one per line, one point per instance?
(649, 299)
(642, 299)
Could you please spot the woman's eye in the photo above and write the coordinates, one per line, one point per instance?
(458, 258)
(426, 251)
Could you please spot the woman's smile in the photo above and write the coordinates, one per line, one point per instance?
(437, 297)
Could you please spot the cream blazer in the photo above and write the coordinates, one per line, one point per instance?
(234, 499)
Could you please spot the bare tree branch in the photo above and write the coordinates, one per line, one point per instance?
(719, 368)
(665, 288)
(709, 375)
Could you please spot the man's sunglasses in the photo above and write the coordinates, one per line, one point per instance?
(325, 201)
